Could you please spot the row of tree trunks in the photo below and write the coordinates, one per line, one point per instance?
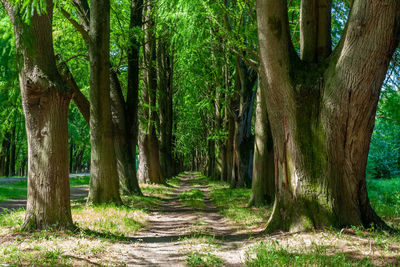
(149, 154)
(243, 143)
(165, 61)
(45, 102)
(124, 113)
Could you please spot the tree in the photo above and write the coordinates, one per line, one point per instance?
(321, 107)
(45, 100)
(104, 185)
(149, 157)
(124, 112)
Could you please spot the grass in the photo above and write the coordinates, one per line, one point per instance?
(103, 231)
(233, 204)
(193, 198)
(272, 254)
(18, 190)
(384, 195)
(202, 259)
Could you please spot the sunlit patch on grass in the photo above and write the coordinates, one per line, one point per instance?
(155, 190)
(12, 218)
(203, 260)
(193, 198)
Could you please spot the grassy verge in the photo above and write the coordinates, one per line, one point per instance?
(104, 231)
(272, 254)
(18, 190)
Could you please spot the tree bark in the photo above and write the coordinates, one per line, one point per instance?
(322, 115)
(104, 185)
(132, 100)
(263, 183)
(45, 102)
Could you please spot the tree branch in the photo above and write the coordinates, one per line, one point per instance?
(77, 26)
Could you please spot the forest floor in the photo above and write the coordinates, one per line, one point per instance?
(193, 221)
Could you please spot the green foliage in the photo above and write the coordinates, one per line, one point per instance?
(384, 155)
(384, 195)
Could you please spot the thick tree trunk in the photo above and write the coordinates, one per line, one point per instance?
(45, 102)
(263, 184)
(104, 185)
(322, 115)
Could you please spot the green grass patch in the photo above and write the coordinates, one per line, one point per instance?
(18, 190)
(233, 204)
(15, 256)
(271, 254)
(193, 198)
(204, 260)
(79, 181)
(174, 181)
(119, 221)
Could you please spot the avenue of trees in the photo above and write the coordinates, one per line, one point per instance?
(280, 96)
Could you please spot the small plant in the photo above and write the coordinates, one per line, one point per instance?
(203, 260)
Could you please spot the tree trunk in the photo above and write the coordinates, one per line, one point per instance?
(71, 156)
(45, 103)
(149, 153)
(230, 143)
(165, 78)
(322, 115)
(6, 147)
(126, 160)
(136, 22)
(244, 139)
(104, 186)
(263, 184)
(13, 152)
